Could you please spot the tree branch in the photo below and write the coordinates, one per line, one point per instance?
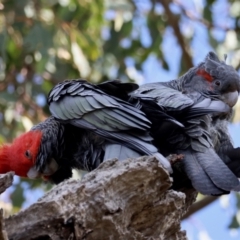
(199, 205)
(191, 16)
(173, 22)
(3, 233)
(5, 182)
(119, 200)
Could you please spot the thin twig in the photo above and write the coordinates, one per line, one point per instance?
(199, 205)
(173, 22)
(190, 15)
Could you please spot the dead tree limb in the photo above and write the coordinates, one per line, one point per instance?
(199, 205)
(5, 182)
(119, 200)
(173, 21)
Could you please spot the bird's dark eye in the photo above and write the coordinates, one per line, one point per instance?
(28, 154)
(217, 83)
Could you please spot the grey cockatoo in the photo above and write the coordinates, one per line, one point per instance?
(184, 112)
(87, 126)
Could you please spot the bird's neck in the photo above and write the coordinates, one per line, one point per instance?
(4, 159)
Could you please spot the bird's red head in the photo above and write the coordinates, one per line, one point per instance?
(21, 155)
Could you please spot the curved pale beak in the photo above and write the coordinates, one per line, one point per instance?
(230, 98)
(49, 169)
(33, 173)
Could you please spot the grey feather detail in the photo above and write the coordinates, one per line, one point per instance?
(57, 111)
(84, 104)
(74, 87)
(55, 91)
(204, 142)
(195, 121)
(85, 92)
(136, 113)
(119, 151)
(163, 161)
(202, 104)
(78, 91)
(97, 119)
(71, 108)
(113, 115)
(143, 136)
(125, 119)
(219, 106)
(213, 56)
(174, 99)
(184, 144)
(133, 116)
(130, 141)
(107, 116)
(67, 111)
(197, 146)
(194, 131)
(219, 173)
(208, 106)
(200, 180)
(83, 124)
(79, 105)
(164, 95)
(207, 136)
(105, 101)
(115, 124)
(94, 103)
(176, 138)
(108, 119)
(56, 98)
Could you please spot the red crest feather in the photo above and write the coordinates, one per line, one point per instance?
(204, 74)
(13, 157)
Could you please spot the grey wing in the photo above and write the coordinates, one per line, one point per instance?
(85, 106)
(174, 101)
(163, 95)
(199, 178)
(99, 110)
(208, 174)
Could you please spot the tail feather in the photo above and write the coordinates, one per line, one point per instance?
(119, 151)
(216, 169)
(200, 180)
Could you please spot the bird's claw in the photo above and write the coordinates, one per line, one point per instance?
(174, 158)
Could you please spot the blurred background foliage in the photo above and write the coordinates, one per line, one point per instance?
(43, 42)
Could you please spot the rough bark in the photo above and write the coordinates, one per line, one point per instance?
(5, 182)
(130, 199)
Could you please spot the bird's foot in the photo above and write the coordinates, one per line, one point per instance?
(174, 158)
(164, 161)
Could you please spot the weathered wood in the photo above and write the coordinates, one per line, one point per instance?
(5, 182)
(119, 200)
(3, 233)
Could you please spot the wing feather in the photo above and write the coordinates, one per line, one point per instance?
(86, 106)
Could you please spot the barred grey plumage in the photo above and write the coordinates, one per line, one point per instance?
(204, 93)
(89, 126)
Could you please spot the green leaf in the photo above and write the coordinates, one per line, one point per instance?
(17, 196)
(234, 223)
(207, 13)
(39, 38)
